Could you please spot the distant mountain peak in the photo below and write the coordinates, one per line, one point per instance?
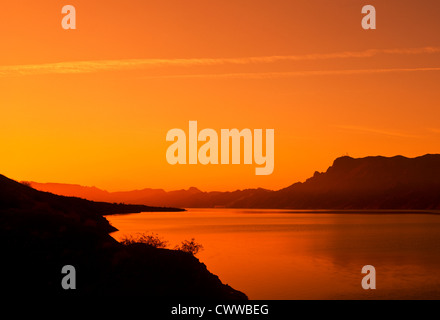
(194, 190)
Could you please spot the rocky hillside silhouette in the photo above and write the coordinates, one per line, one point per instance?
(367, 183)
(364, 183)
(41, 232)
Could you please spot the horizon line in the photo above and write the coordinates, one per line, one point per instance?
(233, 190)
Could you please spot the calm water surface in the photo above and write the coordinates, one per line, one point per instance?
(276, 254)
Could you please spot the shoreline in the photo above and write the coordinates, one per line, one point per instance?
(301, 211)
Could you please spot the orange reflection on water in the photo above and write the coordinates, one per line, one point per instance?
(275, 254)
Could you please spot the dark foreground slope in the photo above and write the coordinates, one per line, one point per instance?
(40, 233)
(364, 183)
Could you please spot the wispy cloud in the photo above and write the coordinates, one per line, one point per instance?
(77, 67)
(269, 75)
(434, 130)
(370, 130)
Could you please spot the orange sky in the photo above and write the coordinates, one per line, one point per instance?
(92, 106)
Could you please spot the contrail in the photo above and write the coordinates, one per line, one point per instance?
(79, 67)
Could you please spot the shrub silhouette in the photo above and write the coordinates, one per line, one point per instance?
(152, 240)
(190, 246)
(26, 183)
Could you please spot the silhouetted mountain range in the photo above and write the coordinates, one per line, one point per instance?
(364, 183)
(42, 232)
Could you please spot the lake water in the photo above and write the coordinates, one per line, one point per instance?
(281, 254)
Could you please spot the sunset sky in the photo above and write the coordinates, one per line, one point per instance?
(92, 106)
